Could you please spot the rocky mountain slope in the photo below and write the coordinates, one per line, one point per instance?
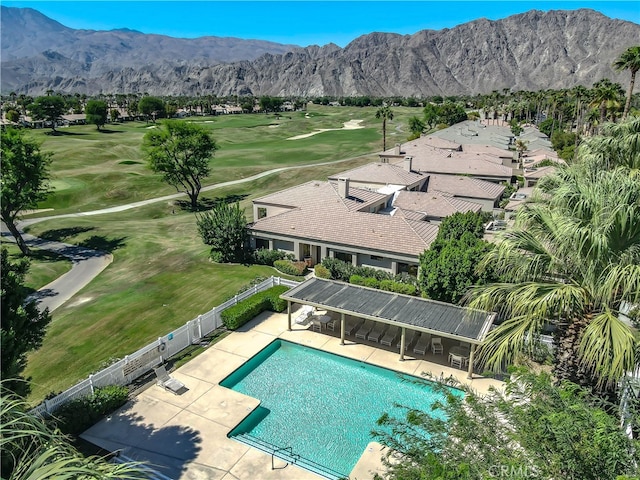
(531, 51)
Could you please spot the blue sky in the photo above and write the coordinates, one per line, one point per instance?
(297, 22)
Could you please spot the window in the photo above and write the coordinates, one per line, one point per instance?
(262, 212)
(376, 258)
(345, 257)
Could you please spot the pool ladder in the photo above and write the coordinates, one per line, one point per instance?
(294, 456)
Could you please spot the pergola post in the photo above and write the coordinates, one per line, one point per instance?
(289, 315)
(402, 341)
(342, 327)
(471, 355)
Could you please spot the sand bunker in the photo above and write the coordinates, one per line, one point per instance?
(350, 125)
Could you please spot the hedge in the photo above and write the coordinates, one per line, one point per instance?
(236, 316)
(264, 256)
(290, 267)
(76, 416)
(321, 272)
(387, 285)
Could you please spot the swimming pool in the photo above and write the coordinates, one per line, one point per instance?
(318, 406)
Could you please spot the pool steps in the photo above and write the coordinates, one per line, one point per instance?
(287, 454)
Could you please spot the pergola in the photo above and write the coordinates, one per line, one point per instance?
(404, 311)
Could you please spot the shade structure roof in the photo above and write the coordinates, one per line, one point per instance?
(416, 313)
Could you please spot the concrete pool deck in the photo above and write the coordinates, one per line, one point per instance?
(185, 436)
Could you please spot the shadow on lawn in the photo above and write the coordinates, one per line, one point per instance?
(206, 204)
(97, 242)
(62, 234)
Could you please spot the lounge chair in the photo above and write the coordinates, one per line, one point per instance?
(352, 325)
(422, 345)
(377, 332)
(391, 336)
(167, 382)
(364, 330)
(304, 314)
(411, 336)
(436, 345)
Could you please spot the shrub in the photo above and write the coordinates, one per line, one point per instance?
(290, 267)
(371, 282)
(77, 415)
(236, 316)
(321, 271)
(264, 256)
(386, 285)
(404, 288)
(356, 280)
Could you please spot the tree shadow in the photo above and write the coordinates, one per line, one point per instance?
(104, 130)
(62, 234)
(206, 204)
(60, 133)
(167, 450)
(104, 244)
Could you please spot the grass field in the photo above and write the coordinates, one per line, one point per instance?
(93, 170)
(44, 266)
(161, 276)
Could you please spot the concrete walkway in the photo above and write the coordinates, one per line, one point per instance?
(185, 436)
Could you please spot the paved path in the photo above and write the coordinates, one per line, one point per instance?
(87, 264)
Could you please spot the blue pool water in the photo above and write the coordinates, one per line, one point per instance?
(323, 406)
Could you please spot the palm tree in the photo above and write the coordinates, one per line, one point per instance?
(606, 96)
(571, 260)
(32, 450)
(629, 60)
(386, 114)
(619, 145)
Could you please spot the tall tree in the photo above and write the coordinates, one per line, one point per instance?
(25, 175)
(96, 111)
(533, 430)
(181, 152)
(629, 60)
(151, 107)
(606, 96)
(224, 227)
(571, 260)
(49, 108)
(618, 145)
(22, 326)
(385, 113)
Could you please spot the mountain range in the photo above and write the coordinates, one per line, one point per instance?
(529, 51)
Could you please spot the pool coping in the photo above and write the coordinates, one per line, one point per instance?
(185, 435)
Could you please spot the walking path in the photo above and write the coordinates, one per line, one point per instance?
(88, 264)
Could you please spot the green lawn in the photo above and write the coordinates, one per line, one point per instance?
(161, 276)
(44, 266)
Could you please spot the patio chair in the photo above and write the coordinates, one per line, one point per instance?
(364, 330)
(422, 345)
(167, 382)
(316, 326)
(391, 336)
(377, 332)
(333, 324)
(436, 345)
(457, 361)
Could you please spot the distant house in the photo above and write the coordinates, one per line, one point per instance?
(74, 119)
(486, 194)
(332, 219)
(384, 175)
(433, 206)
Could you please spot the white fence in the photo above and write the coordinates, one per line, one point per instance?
(133, 366)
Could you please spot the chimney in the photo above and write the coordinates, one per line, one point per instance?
(343, 187)
(408, 161)
(396, 149)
